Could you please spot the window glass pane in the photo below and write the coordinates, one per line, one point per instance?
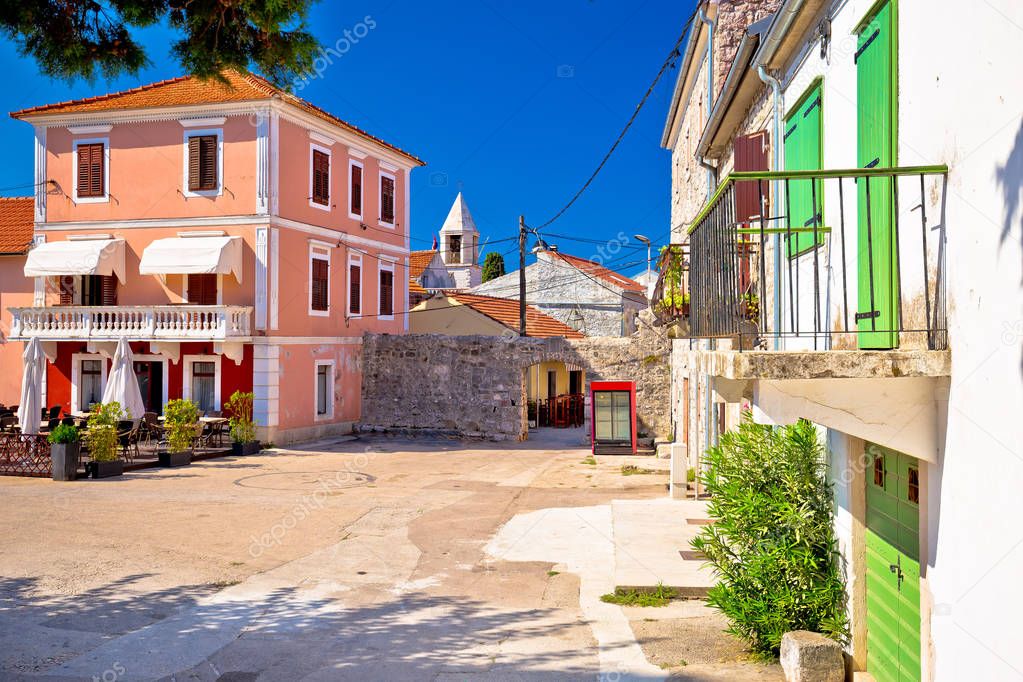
(321, 389)
(204, 385)
(91, 389)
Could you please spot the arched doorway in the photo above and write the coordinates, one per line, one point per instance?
(555, 401)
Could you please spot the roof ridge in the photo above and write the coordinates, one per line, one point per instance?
(99, 98)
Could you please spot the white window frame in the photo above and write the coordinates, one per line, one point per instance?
(330, 389)
(105, 141)
(352, 163)
(189, 133)
(386, 264)
(355, 259)
(319, 251)
(380, 197)
(186, 376)
(313, 147)
(76, 376)
(184, 290)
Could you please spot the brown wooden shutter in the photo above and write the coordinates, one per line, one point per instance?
(387, 200)
(355, 289)
(90, 170)
(386, 292)
(750, 154)
(193, 164)
(356, 207)
(202, 289)
(67, 289)
(320, 279)
(109, 286)
(321, 178)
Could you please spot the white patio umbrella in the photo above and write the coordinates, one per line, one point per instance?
(122, 385)
(30, 408)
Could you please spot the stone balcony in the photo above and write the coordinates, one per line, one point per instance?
(222, 323)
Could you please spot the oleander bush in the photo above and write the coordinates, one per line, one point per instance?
(772, 543)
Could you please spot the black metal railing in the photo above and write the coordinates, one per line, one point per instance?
(836, 259)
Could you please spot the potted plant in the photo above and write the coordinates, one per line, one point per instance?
(181, 419)
(64, 450)
(103, 442)
(243, 429)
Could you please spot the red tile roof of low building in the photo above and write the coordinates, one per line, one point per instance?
(241, 86)
(418, 261)
(415, 288)
(506, 312)
(597, 270)
(16, 224)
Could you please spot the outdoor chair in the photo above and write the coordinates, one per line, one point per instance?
(51, 424)
(129, 442)
(68, 421)
(8, 422)
(54, 412)
(199, 440)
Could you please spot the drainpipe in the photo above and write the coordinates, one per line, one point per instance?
(711, 423)
(776, 193)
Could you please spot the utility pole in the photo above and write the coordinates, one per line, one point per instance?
(522, 275)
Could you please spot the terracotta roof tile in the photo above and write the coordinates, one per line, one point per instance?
(506, 311)
(418, 261)
(186, 90)
(415, 288)
(16, 224)
(600, 272)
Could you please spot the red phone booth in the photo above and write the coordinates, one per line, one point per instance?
(614, 417)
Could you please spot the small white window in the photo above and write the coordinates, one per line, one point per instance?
(319, 280)
(202, 381)
(385, 290)
(355, 277)
(355, 193)
(203, 173)
(88, 379)
(319, 177)
(90, 178)
(387, 190)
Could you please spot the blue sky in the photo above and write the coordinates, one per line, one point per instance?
(514, 103)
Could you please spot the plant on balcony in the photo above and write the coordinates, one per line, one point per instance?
(181, 420)
(102, 441)
(772, 544)
(674, 299)
(243, 429)
(64, 451)
(749, 307)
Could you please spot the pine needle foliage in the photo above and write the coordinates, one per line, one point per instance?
(772, 544)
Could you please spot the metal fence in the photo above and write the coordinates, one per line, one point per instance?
(24, 455)
(835, 258)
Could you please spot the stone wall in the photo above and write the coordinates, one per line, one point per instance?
(475, 386)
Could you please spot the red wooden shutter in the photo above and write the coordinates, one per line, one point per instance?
(386, 292)
(202, 289)
(90, 170)
(355, 289)
(751, 155)
(109, 285)
(67, 289)
(356, 193)
(319, 284)
(193, 164)
(387, 200)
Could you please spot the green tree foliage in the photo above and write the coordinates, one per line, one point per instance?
(493, 266)
(772, 544)
(71, 39)
(181, 418)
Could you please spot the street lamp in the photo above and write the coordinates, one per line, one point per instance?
(641, 238)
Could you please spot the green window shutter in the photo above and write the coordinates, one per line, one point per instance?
(803, 151)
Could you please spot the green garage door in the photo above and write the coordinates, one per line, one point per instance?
(893, 566)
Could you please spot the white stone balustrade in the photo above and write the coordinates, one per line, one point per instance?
(164, 322)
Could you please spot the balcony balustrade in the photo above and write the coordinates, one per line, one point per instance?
(158, 322)
(816, 260)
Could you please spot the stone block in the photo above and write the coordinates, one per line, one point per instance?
(811, 657)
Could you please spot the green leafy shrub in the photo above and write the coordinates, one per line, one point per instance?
(101, 436)
(181, 417)
(63, 434)
(239, 407)
(772, 544)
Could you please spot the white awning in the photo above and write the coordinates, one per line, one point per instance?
(193, 256)
(79, 257)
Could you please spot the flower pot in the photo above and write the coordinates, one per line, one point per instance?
(64, 461)
(106, 469)
(250, 448)
(175, 459)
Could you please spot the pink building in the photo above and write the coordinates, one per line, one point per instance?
(238, 236)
